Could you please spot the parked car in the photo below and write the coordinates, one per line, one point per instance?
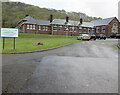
(118, 36)
(101, 36)
(112, 36)
(83, 37)
(115, 36)
(92, 37)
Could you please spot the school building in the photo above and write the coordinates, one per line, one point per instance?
(108, 26)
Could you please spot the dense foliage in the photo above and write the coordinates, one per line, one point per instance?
(12, 12)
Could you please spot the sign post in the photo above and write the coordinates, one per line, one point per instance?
(9, 32)
(3, 43)
(14, 42)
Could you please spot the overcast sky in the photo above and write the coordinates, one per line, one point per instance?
(95, 8)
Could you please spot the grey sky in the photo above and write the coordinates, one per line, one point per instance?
(96, 8)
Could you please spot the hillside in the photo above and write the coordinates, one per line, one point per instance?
(12, 12)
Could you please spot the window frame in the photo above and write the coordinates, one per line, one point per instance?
(55, 27)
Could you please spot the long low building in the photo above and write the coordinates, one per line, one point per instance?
(108, 26)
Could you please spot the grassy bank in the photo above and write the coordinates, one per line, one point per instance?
(27, 43)
(28, 35)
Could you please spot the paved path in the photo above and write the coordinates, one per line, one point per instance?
(87, 67)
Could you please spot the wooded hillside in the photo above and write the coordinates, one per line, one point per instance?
(12, 12)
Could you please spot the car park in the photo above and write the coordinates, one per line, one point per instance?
(101, 36)
(83, 37)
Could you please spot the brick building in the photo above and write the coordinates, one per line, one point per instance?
(109, 26)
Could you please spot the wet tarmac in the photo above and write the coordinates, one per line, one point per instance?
(83, 67)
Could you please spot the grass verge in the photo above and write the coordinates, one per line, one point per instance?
(29, 44)
(28, 35)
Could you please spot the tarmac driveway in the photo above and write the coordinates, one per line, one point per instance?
(83, 67)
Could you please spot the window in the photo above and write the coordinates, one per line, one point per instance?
(40, 28)
(93, 30)
(84, 30)
(97, 30)
(44, 28)
(55, 28)
(60, 28)
(115, 28)
(89, 31)
(75, 29)
(27, 26)
(80, 29)
(33, 27)
(103, 29)
(65, 28)
(71, 29)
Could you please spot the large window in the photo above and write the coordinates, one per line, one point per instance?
(40, 28)
(65, 27)
(97, 30)
(103, 29)
(93, 30)
(28, 27)
(55, 28)
(60, 28)
(71, 29)
(44, 28)
(31, 27)
(80, 29)
(75, 29)
(115, 28)
(89, 30)
(84, 30)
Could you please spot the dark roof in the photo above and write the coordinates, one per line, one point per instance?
(87, 24)
(102, 21)
(59, 21)
(74, 23)
(62, 22)
(28, 18)
(43, 22)
(31, 20)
